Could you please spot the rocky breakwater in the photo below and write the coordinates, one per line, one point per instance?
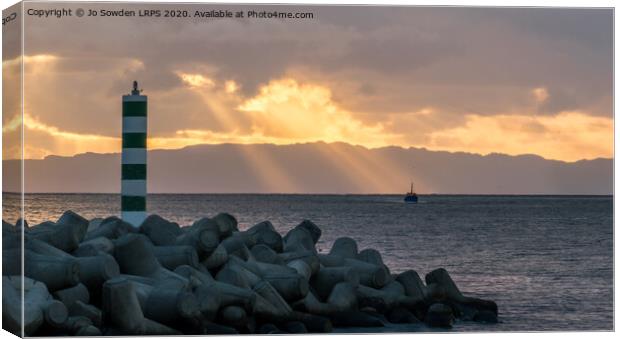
(104, 277)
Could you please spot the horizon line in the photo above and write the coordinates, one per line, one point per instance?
(327, 143)
(335, 194)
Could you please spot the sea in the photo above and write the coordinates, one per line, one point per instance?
(547, 261)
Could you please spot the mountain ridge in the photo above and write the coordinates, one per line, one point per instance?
(319, 167)
(343, 143)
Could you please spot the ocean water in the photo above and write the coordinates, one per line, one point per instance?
(546, 260)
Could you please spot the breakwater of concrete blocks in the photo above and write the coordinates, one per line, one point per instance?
(105, 277)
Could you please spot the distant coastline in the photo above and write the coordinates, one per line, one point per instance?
(331, 194)
(318, 168)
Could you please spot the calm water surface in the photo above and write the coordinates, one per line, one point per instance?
(546, 261)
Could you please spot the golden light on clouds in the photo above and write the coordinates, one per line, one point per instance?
(40, 58)
(231, 86)
(12, 125)
(286, 109)
(184, 138)
(64, 143)
(42, 140)
(540, 94)
(30, 59)
(568, 136)
(196, 80)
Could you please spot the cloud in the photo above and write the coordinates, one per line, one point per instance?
(568, 136)
(367, 75)
(286, 111)
(289, 110)
(540, 94)
(231, 87)
(11, 104)
(42, 140)
(505, 52)
(196, 80)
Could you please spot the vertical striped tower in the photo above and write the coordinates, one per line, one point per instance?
(133, 184)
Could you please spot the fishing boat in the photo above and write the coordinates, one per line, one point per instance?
(411, 197)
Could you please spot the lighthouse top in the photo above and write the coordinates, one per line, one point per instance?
(135, 90)
(135, 95)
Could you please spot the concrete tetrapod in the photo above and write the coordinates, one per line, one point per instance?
(172, 257)
(370, 256)
(312, 305)
(11, 236)
(66, 234)
(233, 277)
(264, 233)
(208, 233)
(201, 238)
(135, 255)
(217, 258)
(266, 268)
(121, 309)
(71, 218)
(204, 289)
(264, 253)
(111, 228)
(55, 272)
(248, 273)
(227, 224)
(94, 246)
(76, 325)
(161, 231)
(71, 295)
(38, 306)
(463, 304)
(170, 307)
(234, 316)
(265, 310)
(236, 246)
(370, 274)
(410, 280)
(309, 257)
(298, 239)
(66, 237)
(439, 315)
(343, 297)
(344, 247)
(265, 290)
(291, 286)
(326, 278)
(314, 323)
(314, 230)
(91, 312)
(93, 270)
(302, 268)
(233, 295)
(167, 285)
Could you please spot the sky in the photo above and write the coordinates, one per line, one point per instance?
(494, 80)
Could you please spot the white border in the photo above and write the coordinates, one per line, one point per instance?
(486, 3)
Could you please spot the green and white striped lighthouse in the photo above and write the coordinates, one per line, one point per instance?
(133, 177)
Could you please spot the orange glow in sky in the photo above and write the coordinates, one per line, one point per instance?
(287, 110)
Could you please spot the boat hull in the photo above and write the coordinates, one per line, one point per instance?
(411, 199)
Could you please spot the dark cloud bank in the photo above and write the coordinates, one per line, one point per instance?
(375, 59)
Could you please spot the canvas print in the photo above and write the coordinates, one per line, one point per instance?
(198, 169)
